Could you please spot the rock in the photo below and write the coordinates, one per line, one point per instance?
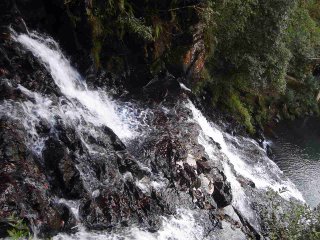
(229, 211)
(68, 220)
(161, 87)
(228, 232)
(24, 190)
(203, 166)
(269, 151)
(222, 194)
(4, 227)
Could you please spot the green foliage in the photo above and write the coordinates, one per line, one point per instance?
(252, 48)
(257, 44)
(19, 229)
(110, 20)
(303, 40)
(300, 98)
(295, 222)
(240, 111)
(250, 38)
(313, 7)
(136, 26)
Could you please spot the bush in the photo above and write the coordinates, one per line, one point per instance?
(264, 52)
(240, 111)
(303, 40)
(296, 222)
(250, 37)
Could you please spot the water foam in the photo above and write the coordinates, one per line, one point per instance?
(182, 226)
(82, 108)
(97, 107)
(265, 173)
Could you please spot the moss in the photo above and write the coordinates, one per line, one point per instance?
(175, 57)
(96, 50)
(199, 87)
(261, 117)
(97, 34)
(240, 111)
(157, 66)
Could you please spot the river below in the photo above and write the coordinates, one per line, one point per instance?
(296, 150)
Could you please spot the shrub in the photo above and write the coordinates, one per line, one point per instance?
(257, 45)
(292, 222)
(240, 111)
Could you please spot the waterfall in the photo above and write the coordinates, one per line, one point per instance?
(88, 111)
(92, 105)
(264, 173)
(183, 226)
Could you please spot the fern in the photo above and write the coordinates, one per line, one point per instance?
(19, 229)
(136, 26)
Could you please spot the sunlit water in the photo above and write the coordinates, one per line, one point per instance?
(297, 153)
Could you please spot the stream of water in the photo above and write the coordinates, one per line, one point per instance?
(85, 108)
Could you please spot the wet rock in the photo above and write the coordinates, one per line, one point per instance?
(113, 208)
(4, 227)
(163, 86)
(71, 178)
(228, 232)
(203, 167)
(115, 141)
(7, 89)
(222, 194)
(69, 221)
(24, 190)
(269, 151)
(231, 213)
(126, 163)
(61, 169)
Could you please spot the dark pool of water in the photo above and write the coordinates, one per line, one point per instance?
(297, 152)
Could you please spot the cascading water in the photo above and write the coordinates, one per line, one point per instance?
(84, 110)
(93, 106)
(263, 172)
(89, 111)
(181, 227)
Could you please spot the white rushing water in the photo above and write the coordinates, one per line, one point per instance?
(92, 105)
(182, 226)
(85, 109)
(264, 173)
